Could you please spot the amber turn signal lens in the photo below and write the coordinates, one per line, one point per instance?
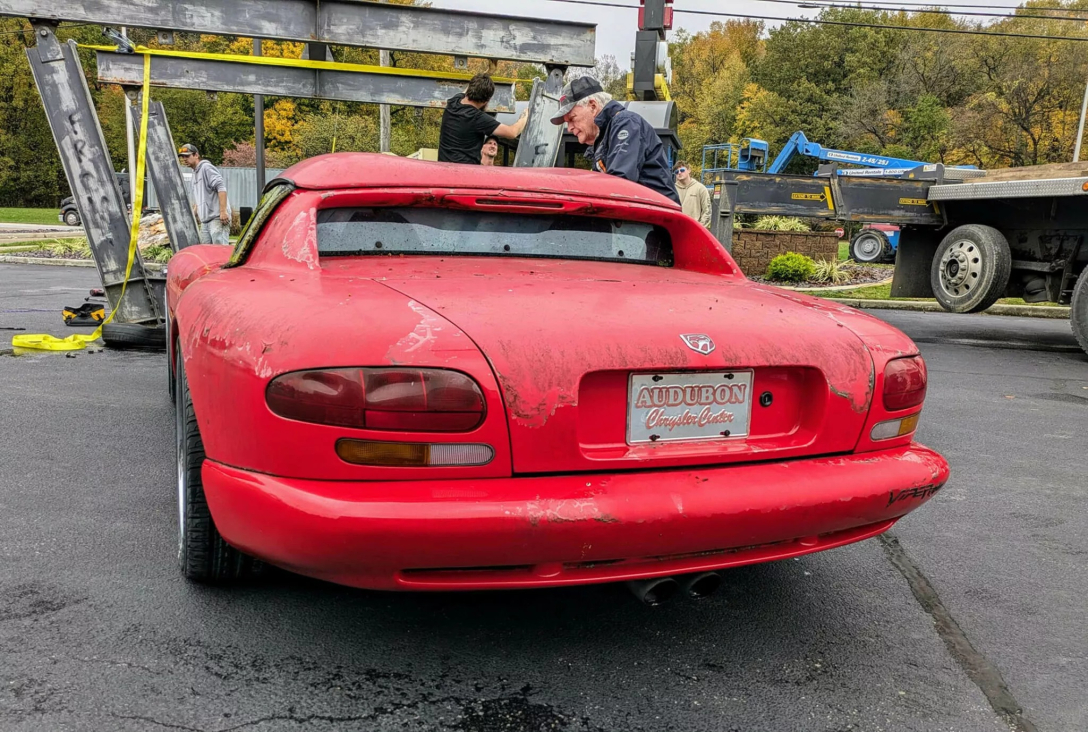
(413, 454)
(895, 428)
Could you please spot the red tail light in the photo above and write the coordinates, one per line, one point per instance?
(404, 400)
(904, 383)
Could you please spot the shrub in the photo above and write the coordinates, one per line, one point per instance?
(69, 248)
(791, 267)
(157, 253)
(780, 223)
(831, 273)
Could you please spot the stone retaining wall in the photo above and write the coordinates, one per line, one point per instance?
(754, 249)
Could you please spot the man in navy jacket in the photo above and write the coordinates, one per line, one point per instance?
(622, 143)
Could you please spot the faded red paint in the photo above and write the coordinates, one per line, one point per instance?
(551, 344)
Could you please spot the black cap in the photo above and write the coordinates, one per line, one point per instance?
(574, 92)
(187, 149)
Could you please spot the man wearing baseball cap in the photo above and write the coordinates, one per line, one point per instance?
(209, 197)
(621, 142)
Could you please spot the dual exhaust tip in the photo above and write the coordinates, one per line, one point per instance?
(658, 590)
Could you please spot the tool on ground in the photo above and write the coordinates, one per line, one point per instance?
(86, 314)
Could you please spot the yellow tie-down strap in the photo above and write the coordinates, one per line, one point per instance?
(301, 63)
(45, 342)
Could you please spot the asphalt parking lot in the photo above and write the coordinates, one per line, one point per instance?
(970, 616)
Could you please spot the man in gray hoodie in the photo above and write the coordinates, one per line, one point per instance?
(210, 204)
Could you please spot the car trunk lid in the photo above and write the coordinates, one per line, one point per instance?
(575, 345)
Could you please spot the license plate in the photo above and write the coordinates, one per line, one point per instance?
(712, 405)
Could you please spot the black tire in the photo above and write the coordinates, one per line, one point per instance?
(171, 377)
(971, 269)
(870, 246)
(134, 337)
(1079, 310)
(72, 218)
(203, 555)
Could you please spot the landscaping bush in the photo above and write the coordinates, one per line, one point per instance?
(791, 267)
(69, 248)
(158, 253)
(830, 273)
(780, 223)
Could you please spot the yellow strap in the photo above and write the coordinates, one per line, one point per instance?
(300, 63)
(45, 342)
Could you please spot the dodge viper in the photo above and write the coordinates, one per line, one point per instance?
(423, 376)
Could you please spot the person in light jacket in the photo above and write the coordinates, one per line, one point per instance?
(209, 197)
(694, 197)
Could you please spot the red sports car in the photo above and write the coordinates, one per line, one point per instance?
(420, 376)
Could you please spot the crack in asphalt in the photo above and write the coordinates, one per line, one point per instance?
(984, 674)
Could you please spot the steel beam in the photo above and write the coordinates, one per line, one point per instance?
(86, 160)
(339, 22)
(162, 166)
(540, 141)
(287, 81)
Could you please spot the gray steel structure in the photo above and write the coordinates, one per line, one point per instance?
(166, 177)
(541, 141)
(339, 22)
(79, 138)
(127, 69)
(86, 160)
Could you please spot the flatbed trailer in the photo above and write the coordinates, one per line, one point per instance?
(968, 237)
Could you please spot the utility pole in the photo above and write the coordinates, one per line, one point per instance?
(131, 140)
(385, 122)
(1080, 127)
(258, 118)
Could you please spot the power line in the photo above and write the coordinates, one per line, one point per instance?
(930, 10)
(850, 24)
(961, 5)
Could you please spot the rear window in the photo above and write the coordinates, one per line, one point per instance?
(378, 231)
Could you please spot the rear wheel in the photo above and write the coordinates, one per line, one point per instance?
(202, 553)
(870, 246)
(971, 269)
(1079, 310)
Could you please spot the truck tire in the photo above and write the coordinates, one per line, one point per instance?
(133, 336)
(71, 218)
(1078, 312)
(870, 247)
(203, 555)
(971, 268)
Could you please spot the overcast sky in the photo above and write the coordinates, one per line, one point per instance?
(616, 27)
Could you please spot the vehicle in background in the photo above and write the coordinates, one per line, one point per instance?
(875, 243)
(418, 400)
(69, 214)
(750, 155)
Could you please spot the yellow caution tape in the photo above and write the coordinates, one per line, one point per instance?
(45, 342)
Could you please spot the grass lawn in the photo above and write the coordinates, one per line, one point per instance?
(29, 216)
(884, 292)
(844, 250)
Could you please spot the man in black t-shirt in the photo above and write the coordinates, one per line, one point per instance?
(465, 124)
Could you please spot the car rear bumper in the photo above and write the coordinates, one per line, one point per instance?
(569, 529)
